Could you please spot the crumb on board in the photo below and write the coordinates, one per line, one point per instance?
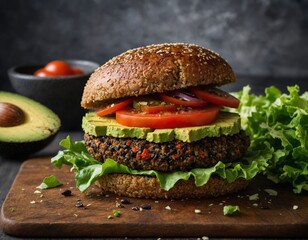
(198, 211)
(168, 208)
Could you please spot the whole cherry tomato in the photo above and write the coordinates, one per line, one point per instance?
(43, 73)
(77, 71)
(59, 68)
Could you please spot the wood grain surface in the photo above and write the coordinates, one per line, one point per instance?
(48, 213)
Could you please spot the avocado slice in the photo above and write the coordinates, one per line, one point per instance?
(108, 126)
(36, 127)
(226, 124)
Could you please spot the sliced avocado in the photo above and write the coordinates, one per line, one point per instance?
(108, 126)
(95, 125)
(37, 128)
(161, 135)
(119, 131)
(227, 124)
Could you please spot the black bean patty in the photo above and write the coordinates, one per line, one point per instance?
(169, 156)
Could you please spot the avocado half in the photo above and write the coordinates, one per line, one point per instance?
(37, 129)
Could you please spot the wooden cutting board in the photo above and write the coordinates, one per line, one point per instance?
(28, 213)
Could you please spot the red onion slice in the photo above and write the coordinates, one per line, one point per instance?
(187, 97)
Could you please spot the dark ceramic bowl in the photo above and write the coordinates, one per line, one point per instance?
(61, 94)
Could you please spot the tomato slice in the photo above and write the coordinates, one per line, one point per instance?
(189, 118)
(178, 101)
(158, 108)
(113, 107)
(216, 96)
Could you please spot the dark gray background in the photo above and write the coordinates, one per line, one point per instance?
(266, 42)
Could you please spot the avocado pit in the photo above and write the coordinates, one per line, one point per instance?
(10, 115)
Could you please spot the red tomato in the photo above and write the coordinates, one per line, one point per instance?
(194, 117)
(216, 96)
(113, 107)
(43, 73)
(59, 68)
(76, 71)
(157, 108)
(178, 101)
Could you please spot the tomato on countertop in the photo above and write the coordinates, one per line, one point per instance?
(57, 68)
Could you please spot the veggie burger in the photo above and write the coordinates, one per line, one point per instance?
(159, 126)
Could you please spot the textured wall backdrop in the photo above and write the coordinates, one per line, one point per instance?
(261, 37)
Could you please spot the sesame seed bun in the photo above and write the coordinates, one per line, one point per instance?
(154, 69)
(148, 187)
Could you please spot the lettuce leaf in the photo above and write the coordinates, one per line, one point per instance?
(230, 209)
(88, 170)
(49, 182)
(278, 125)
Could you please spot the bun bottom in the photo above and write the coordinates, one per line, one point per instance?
(148, 187)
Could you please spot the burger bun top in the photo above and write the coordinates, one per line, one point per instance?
(154, 69)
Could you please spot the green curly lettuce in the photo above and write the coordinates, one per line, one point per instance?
(88, 170)
(277, 124)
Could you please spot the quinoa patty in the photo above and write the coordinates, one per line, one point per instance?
(170, 156)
